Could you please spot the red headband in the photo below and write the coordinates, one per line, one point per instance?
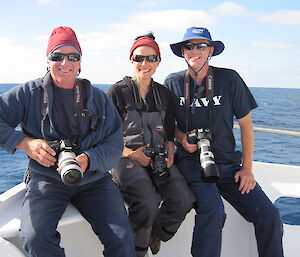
(145, 41)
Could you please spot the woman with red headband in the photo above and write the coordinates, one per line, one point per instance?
(157, 196)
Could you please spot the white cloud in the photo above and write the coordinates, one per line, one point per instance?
(110, 47)
(282, 17)
(275, 45)
(152, 3)
(119, 36)
(168, 19)
(4, 41)
(98, 42)
(48, 2)
(24, 64)
(42, 38)
(231, 9)
(105, 52)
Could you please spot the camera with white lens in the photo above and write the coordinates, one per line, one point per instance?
(202, 138)
(69, 169)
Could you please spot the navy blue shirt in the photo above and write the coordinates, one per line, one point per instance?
(231, 98)
(64, 121)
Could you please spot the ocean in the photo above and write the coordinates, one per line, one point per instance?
(279, 108)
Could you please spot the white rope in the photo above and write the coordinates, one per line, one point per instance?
(270, 130)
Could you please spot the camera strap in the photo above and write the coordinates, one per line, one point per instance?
(137, 100)
(210, 94)
(198, 90)
(187, 98)
(133, 100)
(80, 99)
(79, 109)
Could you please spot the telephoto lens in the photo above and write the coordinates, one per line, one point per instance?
(69, 168)
(209, 169)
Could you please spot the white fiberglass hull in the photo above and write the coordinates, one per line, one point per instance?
(238, 235)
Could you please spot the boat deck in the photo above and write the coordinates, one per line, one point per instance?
(238, 235)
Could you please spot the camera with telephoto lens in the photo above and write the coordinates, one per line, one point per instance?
(158, 154)
(202, 137)
(69, 169)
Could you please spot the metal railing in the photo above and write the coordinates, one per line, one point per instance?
(270, 130)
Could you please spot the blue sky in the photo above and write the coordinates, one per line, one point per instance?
(261, 37)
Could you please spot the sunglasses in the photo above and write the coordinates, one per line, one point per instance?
(149, 58)
(199, 46)
(58, 57)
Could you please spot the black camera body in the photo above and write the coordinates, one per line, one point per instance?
(69, 169)
(158, 154)
(202, 138)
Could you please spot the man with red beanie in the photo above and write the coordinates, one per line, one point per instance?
(72, 134)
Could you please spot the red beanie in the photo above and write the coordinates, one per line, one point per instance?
(62, 36)
(145, 41)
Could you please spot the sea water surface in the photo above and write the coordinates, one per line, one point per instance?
(278, 108)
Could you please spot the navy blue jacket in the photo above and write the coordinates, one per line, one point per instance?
(22, 106)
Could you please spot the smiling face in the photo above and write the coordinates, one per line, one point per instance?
(64, 72)
(196, 58)
(144, 70)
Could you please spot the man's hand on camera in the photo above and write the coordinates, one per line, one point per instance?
(38, 150)
(187, 146)
(182, 138)
(83, 160)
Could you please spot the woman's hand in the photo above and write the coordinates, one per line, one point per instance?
(139, 156)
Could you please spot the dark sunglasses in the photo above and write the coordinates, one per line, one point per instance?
(149, 58)
(58, 57)
(199, 46)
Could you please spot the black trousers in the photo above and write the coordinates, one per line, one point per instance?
(155, 205)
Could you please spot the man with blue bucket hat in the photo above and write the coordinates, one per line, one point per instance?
(207, 99)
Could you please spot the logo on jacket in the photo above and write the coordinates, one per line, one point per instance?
(130, 165)
(159, 128)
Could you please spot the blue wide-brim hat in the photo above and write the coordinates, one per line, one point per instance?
(197, 33)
